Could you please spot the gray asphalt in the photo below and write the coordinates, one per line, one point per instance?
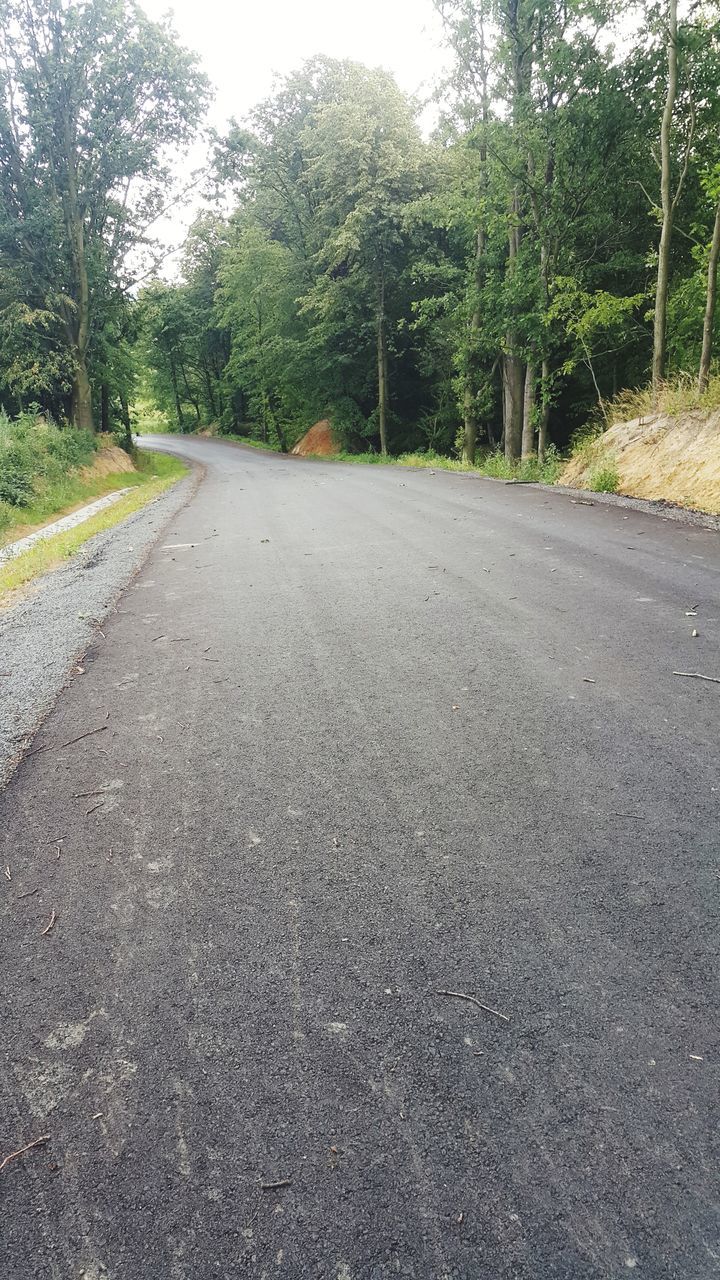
(350, 757)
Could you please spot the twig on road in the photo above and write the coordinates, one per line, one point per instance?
(460, 995)
(275, 1186)
(695, 675)
(28, 894)
(37, 1142)
(50, 924)
(92, 809)
(57, 746)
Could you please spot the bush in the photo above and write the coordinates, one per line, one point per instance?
(35, 456)
(604, 479)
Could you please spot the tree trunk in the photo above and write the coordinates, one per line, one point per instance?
(544, 424)
(668, 209)
(209, 390)
(513, 387)
(710, 301)
(528, 424)
(125, 413)
(470, 423)
(104, 407)
(82, 414)
(80, 326)
(382, 364)
(176, 394)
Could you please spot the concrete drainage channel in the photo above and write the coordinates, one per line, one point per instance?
(59, 526)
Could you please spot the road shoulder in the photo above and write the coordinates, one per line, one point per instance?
(44, 634)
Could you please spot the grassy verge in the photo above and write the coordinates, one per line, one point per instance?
(156, 472)
(60, 498)
(492, 464)
(255, 444)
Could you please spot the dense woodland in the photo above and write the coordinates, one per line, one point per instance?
(554, 241)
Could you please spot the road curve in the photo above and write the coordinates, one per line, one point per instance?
(368, 737)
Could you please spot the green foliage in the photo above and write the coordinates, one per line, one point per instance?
(37, 461)
(604, 479)
(93, 97)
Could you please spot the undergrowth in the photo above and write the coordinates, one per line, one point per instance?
(37, 462)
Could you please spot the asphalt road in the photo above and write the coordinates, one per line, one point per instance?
(368, 736)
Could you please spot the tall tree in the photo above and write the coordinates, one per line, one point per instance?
(93, 94)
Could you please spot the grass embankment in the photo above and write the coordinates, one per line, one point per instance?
(493, 464)
(155, 473)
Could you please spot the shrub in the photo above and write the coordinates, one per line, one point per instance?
(604, 479)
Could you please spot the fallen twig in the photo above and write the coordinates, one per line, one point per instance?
(274, 1186)
(92, 809)
(28, 893)
(636, 817)
(57, 746)
(85, 795)
(695, 675)
(8, 873)
(37, 1142)
(50, 924)
(460, 995)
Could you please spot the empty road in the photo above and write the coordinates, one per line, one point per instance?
(367, 737)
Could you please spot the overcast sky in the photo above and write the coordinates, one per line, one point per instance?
(243, 46)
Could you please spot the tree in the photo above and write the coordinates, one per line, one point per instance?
(93, 94)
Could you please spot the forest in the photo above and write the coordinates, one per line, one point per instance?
(494, 286)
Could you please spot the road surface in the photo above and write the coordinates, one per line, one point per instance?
(368, 737)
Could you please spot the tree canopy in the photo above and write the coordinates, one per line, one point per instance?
(554, 241)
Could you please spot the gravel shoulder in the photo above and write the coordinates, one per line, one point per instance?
(44, 634)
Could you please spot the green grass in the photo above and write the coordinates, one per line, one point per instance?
(156, 473)
(492, 464)
(255, 444)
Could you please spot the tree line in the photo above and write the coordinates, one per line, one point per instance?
(555, 241)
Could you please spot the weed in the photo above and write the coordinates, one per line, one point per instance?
(604, 479)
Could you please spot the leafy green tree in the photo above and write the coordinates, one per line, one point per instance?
(92, 95)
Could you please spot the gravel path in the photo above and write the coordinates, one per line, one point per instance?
(46, 632)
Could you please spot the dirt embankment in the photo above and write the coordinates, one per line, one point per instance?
(108, 461)
(658, 457)
(318, 440)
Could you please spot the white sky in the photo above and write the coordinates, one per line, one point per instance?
(243, 45)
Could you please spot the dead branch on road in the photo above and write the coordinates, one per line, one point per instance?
(58, 746)
(50, 924)
(695, 675)
(460, 995)
(275, 1186)
(37, 1142)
